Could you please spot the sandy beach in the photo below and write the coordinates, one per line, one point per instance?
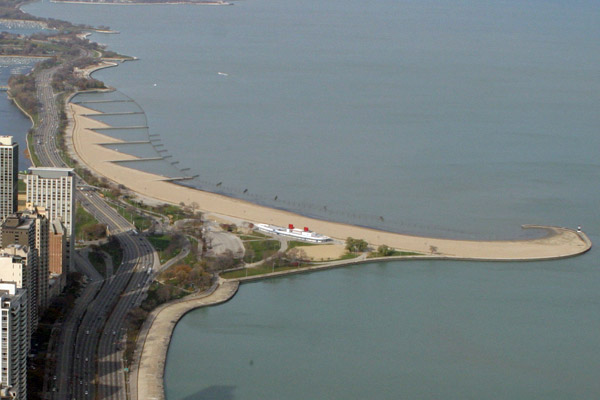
(87, 146)
(324, 252)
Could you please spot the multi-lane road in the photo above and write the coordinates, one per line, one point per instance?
(98, 370)
(89, 351)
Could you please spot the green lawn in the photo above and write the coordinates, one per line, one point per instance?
(255, 235)
(32, 156)
(260, 249)
(298, 243)
(260, 270)
(192, 256)
(113, 248)
(83, 219)
(161, 242)
(162, 245)
(176, 213)
(395, 253)
(97, 261)
(140, 222)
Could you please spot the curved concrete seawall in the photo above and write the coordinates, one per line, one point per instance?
(147, 380)
(87, 145)
(155, 335)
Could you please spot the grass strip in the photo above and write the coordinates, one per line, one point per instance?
(113, 248)
(165, 246)
(97, 260)
(298, 243)
(259, 250)
(260, 270)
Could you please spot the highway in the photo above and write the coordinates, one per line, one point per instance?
(98, 352)
(89, 351)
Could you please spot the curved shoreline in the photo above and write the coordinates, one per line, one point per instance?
(155, 336)
(27, 144)
(156, 333)
(88, 148)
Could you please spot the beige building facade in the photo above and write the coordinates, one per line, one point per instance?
(9, 170)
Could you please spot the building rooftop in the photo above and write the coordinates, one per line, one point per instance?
(17, 221)
(57, 227)
(14, 250)
(51, 172)
(6, 140)
(8, 287)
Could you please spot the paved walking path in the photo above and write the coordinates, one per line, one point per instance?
(155, 337)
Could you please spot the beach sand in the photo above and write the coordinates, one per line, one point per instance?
(324, 252)
(560, 242)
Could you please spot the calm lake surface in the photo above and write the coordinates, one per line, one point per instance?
(12, 121)
(420, 330)
(447, 118)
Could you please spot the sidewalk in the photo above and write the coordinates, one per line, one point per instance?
(155, 336)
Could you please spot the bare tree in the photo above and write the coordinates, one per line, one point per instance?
(296, 255)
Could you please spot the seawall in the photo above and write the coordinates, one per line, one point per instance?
(155, 336)
(147, 378)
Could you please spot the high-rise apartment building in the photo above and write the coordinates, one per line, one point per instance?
(14, 342)
(31, 228)
(54, 189)
(57, 252)
(15, 268)
(9, 172)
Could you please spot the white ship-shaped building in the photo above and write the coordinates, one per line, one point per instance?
(294, 233)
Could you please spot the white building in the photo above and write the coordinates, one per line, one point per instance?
(14, 341)
(54, 189)
(9, 171)
(30, 228)
(15, 268)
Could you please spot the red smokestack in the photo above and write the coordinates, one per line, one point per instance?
(306, 229)
(291, 226)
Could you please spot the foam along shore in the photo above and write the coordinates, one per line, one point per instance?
(558, 243)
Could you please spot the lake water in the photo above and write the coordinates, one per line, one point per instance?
(12, 121)
(422, 330)
(448, 118)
